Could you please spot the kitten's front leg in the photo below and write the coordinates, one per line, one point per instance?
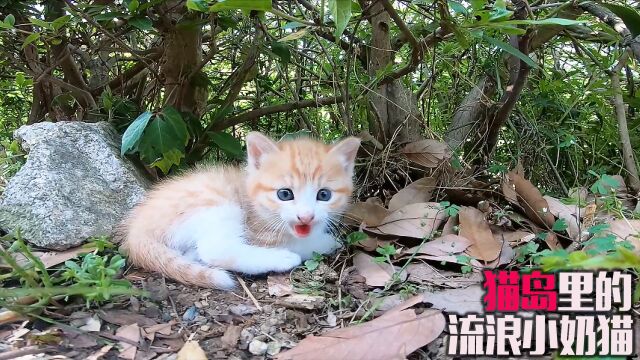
(253, 260)
(322, 244)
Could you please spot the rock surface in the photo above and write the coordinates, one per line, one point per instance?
(74, 185)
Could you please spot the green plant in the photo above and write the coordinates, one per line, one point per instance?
(94, 277)
(355, 237)
(313, 263)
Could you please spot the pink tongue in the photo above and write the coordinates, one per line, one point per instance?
(302, 229)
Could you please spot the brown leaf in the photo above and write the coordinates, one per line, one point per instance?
(531, 200)
(374, 273)
(53, 258)
(92, 324)
(513, 238)
(425, 273)
(100, 353)
(443, 245)
(365, 212)
(394, 335)
(571, 214)
(125, 317)
(507, 254)
(628, 230)
(460, 301)
(414, 220)
(231, 336)
(450, 226)
(302, 301)
(416, 192)
(132, 333)
(428, 153)
(191, 350)
(474, 227)
(371, 243)
(279, 285)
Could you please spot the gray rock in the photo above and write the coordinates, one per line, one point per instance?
(74, 185)
(257, 347)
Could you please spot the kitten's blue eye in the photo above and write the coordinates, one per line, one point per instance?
(323, 195)
(285, 194)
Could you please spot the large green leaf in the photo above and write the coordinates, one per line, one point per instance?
(197, 5)
(142, 23)
(260, 5)
(165, 133)
(549, 21)
(227, 143)
(341, 12)
(629, 16)
(282, 51)
(510, 49)
(134, 132)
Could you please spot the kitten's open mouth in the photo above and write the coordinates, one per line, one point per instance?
(302, 230)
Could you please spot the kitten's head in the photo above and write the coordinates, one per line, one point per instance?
(301, 183)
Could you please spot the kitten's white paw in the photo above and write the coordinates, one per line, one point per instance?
(221, 279)
(285, 260)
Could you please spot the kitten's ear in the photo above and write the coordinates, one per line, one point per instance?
(346, 151)
(258, 146)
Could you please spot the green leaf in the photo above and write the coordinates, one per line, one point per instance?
(629, 16)
(40, 23)
(293, 25)
(170, 158)
(142, 23)
(457, 7)
(510, 49)
(133, 5)
(31, 38)
(197, 5)
(311, 264)
(260, 5)
(341, 12)
(282, 51)
(134, 132)
(356, 237)
(560, 225)
(165, 133)
(549, 21)
(10, 20)
(58, 23)
(296, 35)
(227, 143)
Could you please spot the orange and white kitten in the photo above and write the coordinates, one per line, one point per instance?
(270, 216)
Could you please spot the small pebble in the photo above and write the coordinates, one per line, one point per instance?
(205, 328)
(257, 347)
(242, 309)
(273, 348)
(190, 314)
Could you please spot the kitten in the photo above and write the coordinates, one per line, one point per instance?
(270, 216)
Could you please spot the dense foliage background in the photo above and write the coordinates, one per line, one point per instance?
(499, 81)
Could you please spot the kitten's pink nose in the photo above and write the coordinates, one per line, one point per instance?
(305, 218)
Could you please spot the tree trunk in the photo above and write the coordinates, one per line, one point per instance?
(181, 59)
(395, 115)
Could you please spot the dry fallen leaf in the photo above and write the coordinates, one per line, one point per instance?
(531, 200)
(100, 353)
(443, 245)
(425, 273)
(414, 220)
(53, 258)
(125, 317)
(191, 350)
(416, 192)
(131, 333)
(474, 227)
(376, 274)
(365, 212)
(92, 324)
(628, 230)
(394, 335)
(279, 285)
(428, 153)
(164, 329)
(371, 243)
(571, 214)
(450, 227)
(513, 238)
(302, 301)
(231, 336)
(459, 301)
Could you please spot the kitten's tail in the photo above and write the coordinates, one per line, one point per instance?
(154, 255)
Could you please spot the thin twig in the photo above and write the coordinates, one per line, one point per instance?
(249, 294)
